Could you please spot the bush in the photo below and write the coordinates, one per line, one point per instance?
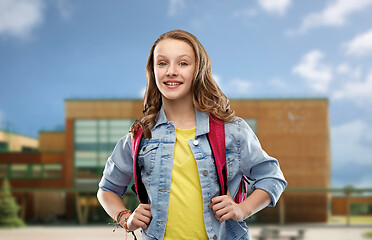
(9, 208)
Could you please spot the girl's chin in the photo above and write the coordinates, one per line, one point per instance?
(176, 97)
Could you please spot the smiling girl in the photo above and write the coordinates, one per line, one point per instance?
(178, 169)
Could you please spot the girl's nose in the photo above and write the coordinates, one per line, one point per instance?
(172, 70)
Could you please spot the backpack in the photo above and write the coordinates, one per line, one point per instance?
(216, 137)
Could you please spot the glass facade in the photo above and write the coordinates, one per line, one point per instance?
(31, 171)
(94, 141)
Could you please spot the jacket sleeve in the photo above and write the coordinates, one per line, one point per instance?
(118, 171)
(257, 165)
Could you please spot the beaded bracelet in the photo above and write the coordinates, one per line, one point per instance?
(120, 214)
(125, 226)
(118, 218)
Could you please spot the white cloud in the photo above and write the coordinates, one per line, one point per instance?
(317, 75)
(175, 6)
(360, 180)
(236, 87)
(357, 91)
(360, 45)
(275, 6)
(18, 18)
(349, 144)
(344, 69)
(240, 86)
(335, 14)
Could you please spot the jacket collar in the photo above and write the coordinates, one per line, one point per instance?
(202, 121)
(161, 118)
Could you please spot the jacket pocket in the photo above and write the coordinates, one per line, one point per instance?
(146, 156)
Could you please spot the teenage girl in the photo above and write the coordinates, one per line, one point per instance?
(178, 171)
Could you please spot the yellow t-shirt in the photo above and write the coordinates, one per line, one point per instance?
(185, 212)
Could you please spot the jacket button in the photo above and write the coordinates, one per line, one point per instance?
(214, 237)
(143, 149)
(195, 142)
(205, 172)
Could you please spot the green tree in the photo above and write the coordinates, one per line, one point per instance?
(9, 208)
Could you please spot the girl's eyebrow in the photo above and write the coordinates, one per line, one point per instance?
(160, 56)
(180, 56)
(184, 55)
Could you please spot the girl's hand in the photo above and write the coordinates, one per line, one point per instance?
(225, 208)
(140, 218)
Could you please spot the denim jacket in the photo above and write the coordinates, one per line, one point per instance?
(244, 155)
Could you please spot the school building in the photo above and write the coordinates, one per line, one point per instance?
(10, 141)
(60, 179)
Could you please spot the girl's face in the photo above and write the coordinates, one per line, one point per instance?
(174, 67)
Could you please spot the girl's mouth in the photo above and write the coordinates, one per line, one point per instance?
(172, 83)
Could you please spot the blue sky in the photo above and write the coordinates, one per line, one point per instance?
(52, 50)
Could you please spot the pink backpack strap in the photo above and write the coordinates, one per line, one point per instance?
(242, 192)
(140, 189)
(216, 138)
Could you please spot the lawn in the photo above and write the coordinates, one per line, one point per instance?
(353, 219)
(368, 234)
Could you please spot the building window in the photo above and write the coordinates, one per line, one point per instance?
(28, 149)
(4, 147)
(94, 140)
(3, 171)
(31, 171)
(37, 171)
(52, 171)
(19, 171)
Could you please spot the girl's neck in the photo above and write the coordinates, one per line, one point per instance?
(181, 113)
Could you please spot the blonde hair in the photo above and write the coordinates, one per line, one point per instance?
(207, 96)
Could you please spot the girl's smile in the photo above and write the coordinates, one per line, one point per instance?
(173, 84)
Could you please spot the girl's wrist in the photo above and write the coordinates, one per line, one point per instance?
(122, 217)
(245, 210)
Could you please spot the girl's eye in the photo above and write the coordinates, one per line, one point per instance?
(162, 64)
(183, 64)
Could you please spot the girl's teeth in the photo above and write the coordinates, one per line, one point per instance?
(172, 83)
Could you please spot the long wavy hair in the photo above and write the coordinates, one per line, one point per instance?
(207, 96)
